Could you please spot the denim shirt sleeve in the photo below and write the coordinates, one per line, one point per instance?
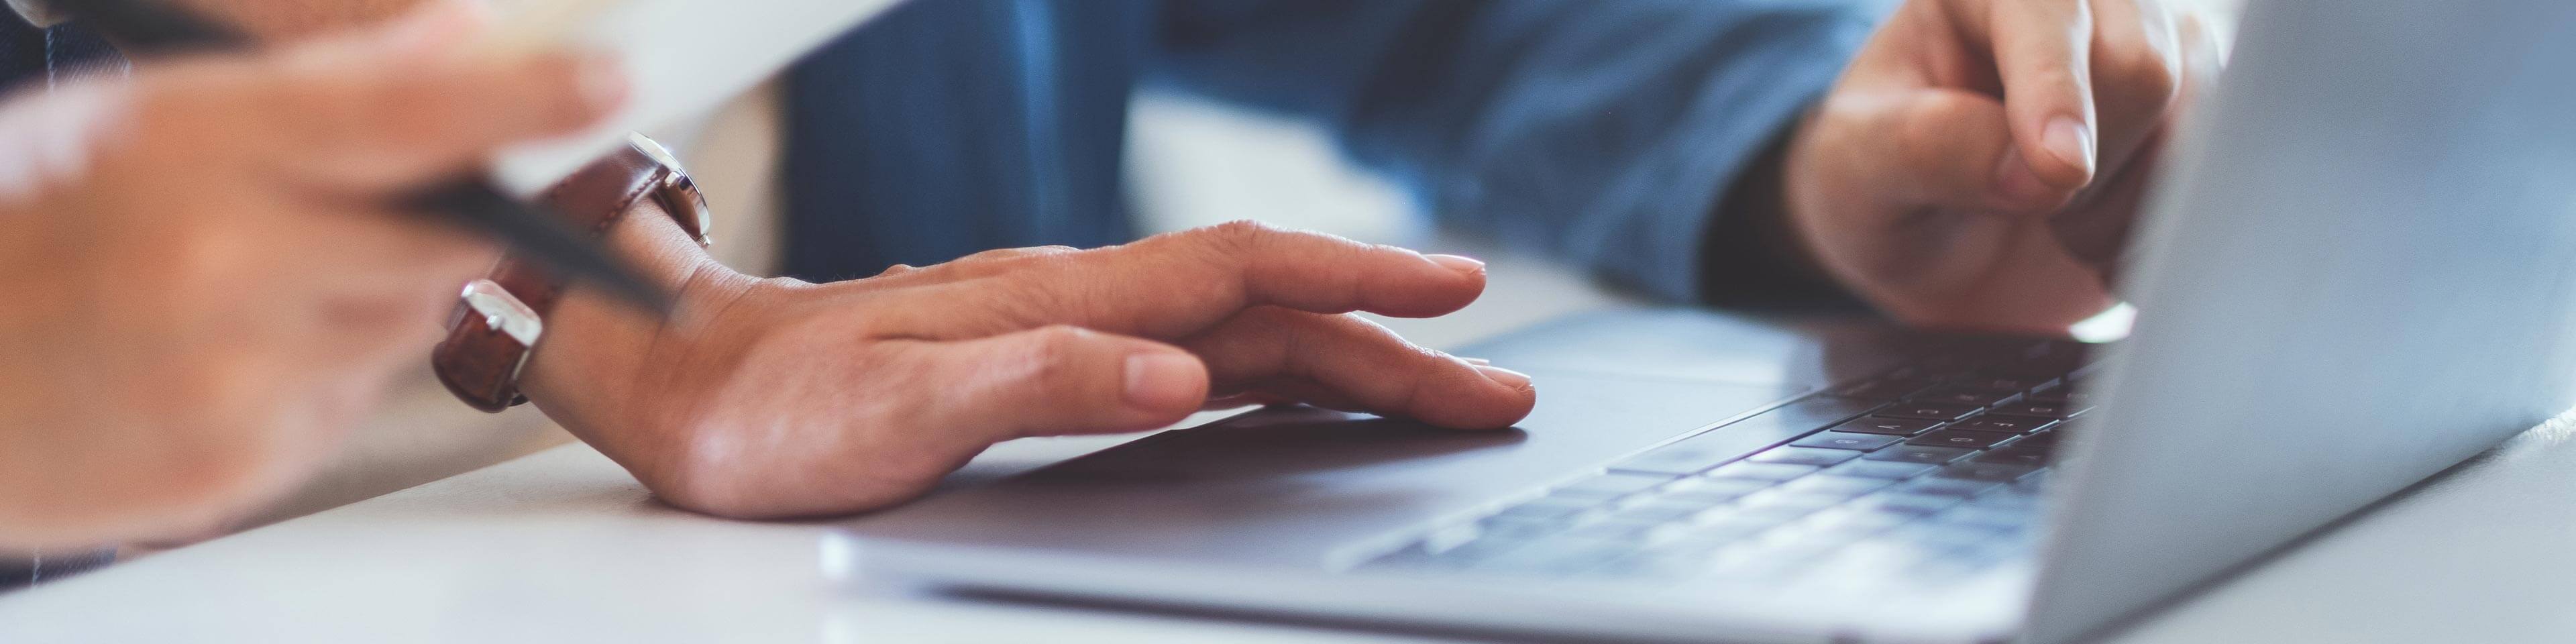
(1602, 132)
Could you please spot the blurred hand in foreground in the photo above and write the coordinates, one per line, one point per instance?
(205, 279)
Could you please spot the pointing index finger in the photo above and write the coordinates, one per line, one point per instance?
(2043, 51)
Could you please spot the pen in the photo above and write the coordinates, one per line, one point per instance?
(148, 25)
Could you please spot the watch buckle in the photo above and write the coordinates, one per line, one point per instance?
(503, 312)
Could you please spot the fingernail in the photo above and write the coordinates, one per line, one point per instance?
(1475, 361)
(2070, 141)
(603, 82)
(1505, 377)
(1461, 264)
(1162, 381)
(2016, 186)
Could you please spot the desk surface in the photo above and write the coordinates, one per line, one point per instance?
(564, 546)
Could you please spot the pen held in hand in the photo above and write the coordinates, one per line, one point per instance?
(473, 203)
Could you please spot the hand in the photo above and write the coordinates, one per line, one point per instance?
(205, 282)
(779, 398)
(1980, 161)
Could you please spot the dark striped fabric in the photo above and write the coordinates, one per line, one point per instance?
(33, 58)
(31, 569)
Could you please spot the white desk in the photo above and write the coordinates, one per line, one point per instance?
(563, 546)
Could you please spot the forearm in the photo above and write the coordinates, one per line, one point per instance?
(1509, 119)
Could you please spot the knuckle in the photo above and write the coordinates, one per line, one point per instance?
(1055, 349)
(1054, 362)
(1241, 235)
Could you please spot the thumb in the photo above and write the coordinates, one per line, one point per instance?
(1956, 149)
(1057, 380)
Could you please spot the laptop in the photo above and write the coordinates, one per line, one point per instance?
(2363, 273)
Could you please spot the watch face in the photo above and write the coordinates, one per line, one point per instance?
(705, 219)
(504, 312)
(654, 149)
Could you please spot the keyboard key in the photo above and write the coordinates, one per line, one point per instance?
(2013, 424)
(1668, 567)
(1924, 454)
(1885, 470)
(1854, 521)
(1785, 501)
(1988, 517)
(1904, 504)
(2008, 383)
(1558, 557)
(2041, 440)
(1734, 440)
(2061, 396)
(1550, 508)
(1936, 486)
(1724, 529)
(1762, 471)
(1740, 515)
(2037, 410)
(1835, 486)
(1941, 536)
(1707, 492)
(1804, 456)
(1518, 528)
(1928, 411)
(1961, 396)
(2007, 498)
(1614, 484)
(1995, 472)
(1847, 440)
(1623, 531)
(1961, 438)
(1654, 513)
(2016, 454)
(1889, 426)
(1463, 555)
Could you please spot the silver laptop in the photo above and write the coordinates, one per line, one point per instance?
(2361, 277)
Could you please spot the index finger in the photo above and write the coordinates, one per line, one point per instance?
(1181, 283)
(2043, 52)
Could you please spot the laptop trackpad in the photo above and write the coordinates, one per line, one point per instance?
(1289, 485)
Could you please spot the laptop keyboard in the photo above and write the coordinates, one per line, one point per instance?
(1934, 469)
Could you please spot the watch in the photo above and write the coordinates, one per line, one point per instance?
(499, 319)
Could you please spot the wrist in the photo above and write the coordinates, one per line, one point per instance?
(597, 348)
(1754, 254)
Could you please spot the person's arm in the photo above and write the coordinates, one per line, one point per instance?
(1737, 151)
(770, 398)
(1606, 133)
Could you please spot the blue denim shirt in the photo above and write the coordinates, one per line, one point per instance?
(1604, 132)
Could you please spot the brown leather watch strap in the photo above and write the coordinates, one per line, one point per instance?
(500, 319)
